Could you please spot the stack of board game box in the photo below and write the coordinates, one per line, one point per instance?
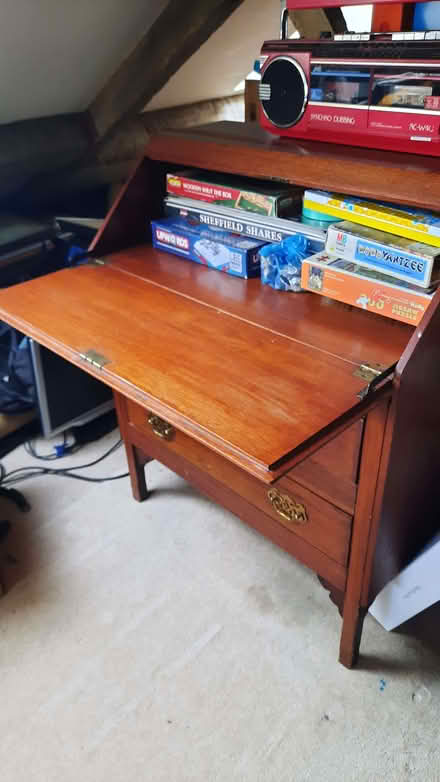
(223, 221)
(380, 258)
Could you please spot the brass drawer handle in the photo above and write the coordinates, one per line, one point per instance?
(161, 428)
(288, 508)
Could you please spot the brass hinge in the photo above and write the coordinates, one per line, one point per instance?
(96, 261)
(374, 375)
(97, 359)
(368, 371)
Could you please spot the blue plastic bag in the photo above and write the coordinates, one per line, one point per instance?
(281, 263)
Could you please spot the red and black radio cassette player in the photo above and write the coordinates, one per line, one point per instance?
(364, 89)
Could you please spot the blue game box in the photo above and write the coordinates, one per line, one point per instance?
(220, 250)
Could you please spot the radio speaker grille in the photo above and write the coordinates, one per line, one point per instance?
(283, 92)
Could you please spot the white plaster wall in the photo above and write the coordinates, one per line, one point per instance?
(56, 54)
(225, 58)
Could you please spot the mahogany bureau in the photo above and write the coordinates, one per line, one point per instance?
(314, 422)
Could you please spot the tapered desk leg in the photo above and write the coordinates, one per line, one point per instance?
(365, 525)
(136, 459)
(136, 466)
(351, 638)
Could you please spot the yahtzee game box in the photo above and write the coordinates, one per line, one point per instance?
(402, 258)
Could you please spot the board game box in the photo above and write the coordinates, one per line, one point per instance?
(411, 223)
(254, 226)
(364, 288)
(221, 250)
(403, 258)
(264, 198)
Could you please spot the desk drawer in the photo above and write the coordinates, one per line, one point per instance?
(332, 471)
(303, 512)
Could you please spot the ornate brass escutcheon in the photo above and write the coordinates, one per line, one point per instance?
(287, 507)
(161, 428)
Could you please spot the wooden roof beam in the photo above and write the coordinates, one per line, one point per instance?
(177, 33)
(311, 22)
(114, 160)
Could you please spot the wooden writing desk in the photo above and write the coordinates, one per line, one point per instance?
(259, 398)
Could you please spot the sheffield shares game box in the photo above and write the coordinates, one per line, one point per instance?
(249, 224)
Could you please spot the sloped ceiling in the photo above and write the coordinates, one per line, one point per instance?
(56, 54)
(226, 57)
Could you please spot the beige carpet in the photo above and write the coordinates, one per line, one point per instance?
(168, 642)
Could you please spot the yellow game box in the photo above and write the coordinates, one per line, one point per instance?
(364, 288)
(404, 221)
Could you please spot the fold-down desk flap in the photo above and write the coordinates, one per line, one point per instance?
(251, 394)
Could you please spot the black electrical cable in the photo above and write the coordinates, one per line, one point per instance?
(66, 449)
(65, 474)
(24, 473)
(113, 448)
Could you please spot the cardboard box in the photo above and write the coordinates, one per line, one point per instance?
(364, 288)
(265, 229)
(219, 249)
(411, 223)
(417, 587)
(402, 258)
(264, 198)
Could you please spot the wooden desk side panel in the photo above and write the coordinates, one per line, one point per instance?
(127, 222)
(411, 505)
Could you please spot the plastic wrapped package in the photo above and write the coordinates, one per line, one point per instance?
(281, 263)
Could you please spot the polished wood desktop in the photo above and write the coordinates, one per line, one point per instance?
(314, 422)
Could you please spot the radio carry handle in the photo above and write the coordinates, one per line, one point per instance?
(284, 23)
